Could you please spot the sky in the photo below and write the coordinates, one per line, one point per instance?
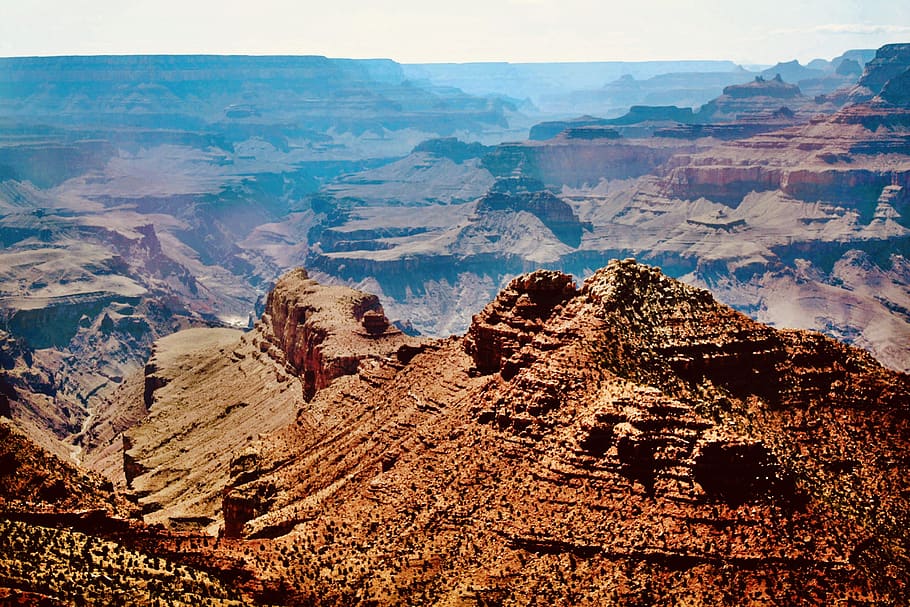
(416, 31)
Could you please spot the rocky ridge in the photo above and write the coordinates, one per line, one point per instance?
(626, 441)
(629, 440)
(175, 459)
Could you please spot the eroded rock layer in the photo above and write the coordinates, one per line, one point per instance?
(627, 442)
(206, 394)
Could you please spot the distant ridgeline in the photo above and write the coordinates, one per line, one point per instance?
(299, 94)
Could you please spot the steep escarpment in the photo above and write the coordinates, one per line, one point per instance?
(628, 441)
(209, 393)
(579, 161)
(890, 62)
(323, 332)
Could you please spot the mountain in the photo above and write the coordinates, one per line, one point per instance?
(626, 441)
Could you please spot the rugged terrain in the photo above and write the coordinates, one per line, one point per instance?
(629, 441)
(144, 195)
(169, 433)
(797, 221)
(138, 197)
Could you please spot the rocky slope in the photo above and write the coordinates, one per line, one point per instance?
(629, 441)
(67, 539)
(206, 394)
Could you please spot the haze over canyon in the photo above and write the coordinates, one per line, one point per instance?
(310, 331)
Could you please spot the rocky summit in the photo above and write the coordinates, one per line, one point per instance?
(625, 441)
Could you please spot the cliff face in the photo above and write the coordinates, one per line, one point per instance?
(208, 393)
(577, 162)
(629, 441)
(324, 332)
(890, 62)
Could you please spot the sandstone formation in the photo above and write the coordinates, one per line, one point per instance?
(629, 441)
(323, 332)
(209, 393)
(626, 441)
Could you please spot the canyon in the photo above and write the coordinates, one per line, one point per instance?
(625, 440)
(797, 221)
(311, 331)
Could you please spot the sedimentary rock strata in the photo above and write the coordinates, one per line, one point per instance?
(583, 441)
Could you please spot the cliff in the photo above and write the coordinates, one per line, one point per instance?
(323, 332)
(627, 441)
(209, 393)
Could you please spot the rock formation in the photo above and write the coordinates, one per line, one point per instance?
(629, 440)
(209, 393)
(626, 441)
(324, 332)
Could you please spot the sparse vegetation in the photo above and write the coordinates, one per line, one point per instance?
(76, 568)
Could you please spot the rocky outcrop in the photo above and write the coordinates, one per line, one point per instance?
(324, 332)
(512, 320)
(775, 88)
(515, 194)
(759, 100)
(208, 393)
(890, 62)
(240, 506)
(634, 428)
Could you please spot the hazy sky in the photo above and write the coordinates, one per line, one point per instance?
(759, 31)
